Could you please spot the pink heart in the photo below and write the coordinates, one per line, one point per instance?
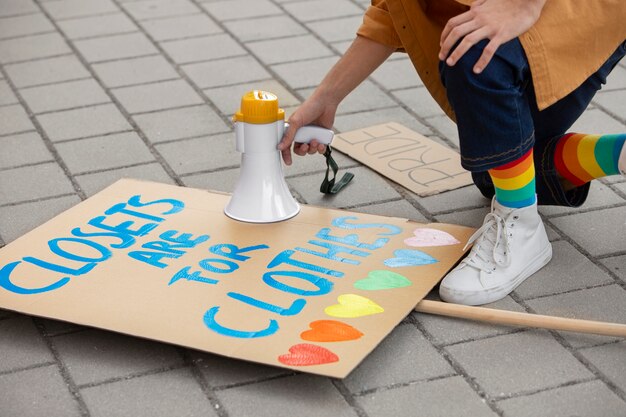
(430, 237)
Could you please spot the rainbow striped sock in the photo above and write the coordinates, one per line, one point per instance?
(515, 182)
(580, 158)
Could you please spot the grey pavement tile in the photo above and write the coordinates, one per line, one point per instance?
(599, 232)
(518, 362)
(19, 219)
(420, 101)
(400, 74)
(6, 94)
(471, 218)
(276, 398)
(222, 181)
(46, 71)
(616, 80)
(33, 182)
(448, 330)
(338, 29)
(403, 357)
(180, 27)
(226, 72)
(135, 71)
(449, 397)
(310, 10)
(105, 152)
(609, 360)
(617, 265)
(115, 47)
(459, 198)
(595, 121)
(353, 121)
(305, 74)
(95, 356)
(241, 9)
(66, 9)
(90, 121)
(367, 187)
(108, 24)
(297, 48)
(201, 154)
(612, 101)
(64, 96)
(56, 327)
(317, 163)
(600, 304)
(400, 208)
(366, 97)
(599, 196)
(166, 394)
(39, 392)
(587, 399)
(93, 183)
(202, 49)
(181, 123)
(446, 127)
(568, 270)
(32, 47)
(17, 7)
(157, 96)
(24, 25)
(273, 27)
(25, 148)
(227, 99)
(152, 9)
(220, 371)
(21, 345)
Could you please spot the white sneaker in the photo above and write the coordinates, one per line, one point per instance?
(511, 245)
(621, 164)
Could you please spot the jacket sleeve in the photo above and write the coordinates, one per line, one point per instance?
(378, 26)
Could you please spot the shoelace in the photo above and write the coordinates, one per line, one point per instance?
(488, 238)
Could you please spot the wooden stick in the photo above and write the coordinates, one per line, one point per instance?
(513, 318)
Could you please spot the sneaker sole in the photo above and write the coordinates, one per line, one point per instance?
(473, 298)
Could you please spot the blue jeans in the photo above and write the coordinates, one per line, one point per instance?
(498, 119)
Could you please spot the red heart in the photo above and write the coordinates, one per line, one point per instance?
(330, 331)
(305, 354)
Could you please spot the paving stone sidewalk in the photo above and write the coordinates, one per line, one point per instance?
(96, 90)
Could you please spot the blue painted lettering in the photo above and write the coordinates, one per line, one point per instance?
(332, 252)
(194, 276)
(293, 309)
(5, 282)
(323, 285)
(285, 257)
(342, 222)
(211, 323)
(233, 252)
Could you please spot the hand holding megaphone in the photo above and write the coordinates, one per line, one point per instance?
(308, 122)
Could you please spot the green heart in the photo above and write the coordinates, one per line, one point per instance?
(382, 280)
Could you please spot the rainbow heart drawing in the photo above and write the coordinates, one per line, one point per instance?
(352, 305)
(426, 237)
(382, 280)
(330, 331)
(306, 354)
(409, 257)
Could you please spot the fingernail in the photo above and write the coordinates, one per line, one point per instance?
(478, 70)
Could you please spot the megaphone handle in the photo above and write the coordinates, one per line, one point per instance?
(307, 133)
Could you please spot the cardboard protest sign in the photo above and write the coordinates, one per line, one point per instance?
(315, 293)
(406, 157)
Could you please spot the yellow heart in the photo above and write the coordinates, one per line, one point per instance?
(352, 305)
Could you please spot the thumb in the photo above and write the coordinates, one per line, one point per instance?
(284, 146)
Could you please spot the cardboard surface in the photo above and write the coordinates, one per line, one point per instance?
(406, 157)
(315, 293)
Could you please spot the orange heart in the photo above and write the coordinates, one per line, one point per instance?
(330, 331)
(306, 354)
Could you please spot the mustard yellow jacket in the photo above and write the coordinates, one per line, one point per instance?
(569, 42)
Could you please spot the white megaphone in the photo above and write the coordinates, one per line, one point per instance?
(261, 194)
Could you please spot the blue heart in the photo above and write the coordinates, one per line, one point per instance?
(409, 257)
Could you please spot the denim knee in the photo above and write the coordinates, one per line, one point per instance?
(493, 116)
